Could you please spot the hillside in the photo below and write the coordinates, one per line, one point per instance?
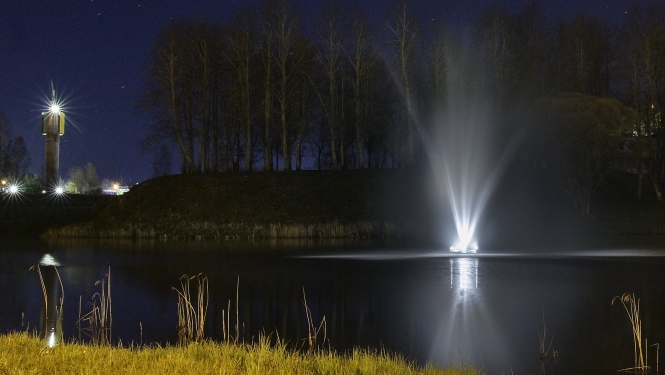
(523, 211)
(248, 205)
(30, 214)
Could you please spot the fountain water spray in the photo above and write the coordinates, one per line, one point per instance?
(468, 156)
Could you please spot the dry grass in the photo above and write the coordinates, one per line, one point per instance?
(97, 324)
(547, 356)
(641, 360)
(187, 229)
(313, 330)
(23, 354)
(192, 314)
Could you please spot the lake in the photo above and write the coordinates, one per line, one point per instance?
(486, 309)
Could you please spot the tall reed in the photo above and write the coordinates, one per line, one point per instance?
(226, 320)
(99, 320)
(312, 330)
(192, 316)
(547, 359)
(640, 359)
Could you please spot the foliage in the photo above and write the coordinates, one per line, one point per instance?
(583, 134)
(84, 181)
(15, 158)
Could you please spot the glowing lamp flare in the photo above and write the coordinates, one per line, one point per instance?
(465, 243)
(463, 249)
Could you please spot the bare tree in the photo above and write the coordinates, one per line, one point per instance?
(532, 56)
(240, 53)
(584, 56)
(287, 59)
(403, 29)
(330, 56)
(16, 159)
(4, 135)
(161, 165)
(362, 57)
(267, 46)
(167, 94)
(497, 38)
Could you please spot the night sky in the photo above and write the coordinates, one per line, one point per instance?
(95, 52)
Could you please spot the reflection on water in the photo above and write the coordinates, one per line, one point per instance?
(466, 272)
(51, 319)
(467, 318)
(428, 305)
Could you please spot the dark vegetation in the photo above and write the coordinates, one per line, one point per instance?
(271, 89)
(33, 213)
(525, 209)
(378, 203)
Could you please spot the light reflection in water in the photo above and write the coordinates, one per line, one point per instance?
(466, 271)
(467, 328)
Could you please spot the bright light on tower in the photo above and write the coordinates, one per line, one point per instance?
(54, 108)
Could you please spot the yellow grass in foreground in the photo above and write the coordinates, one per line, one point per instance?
(21, 353)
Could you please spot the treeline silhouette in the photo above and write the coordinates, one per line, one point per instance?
(278, 89)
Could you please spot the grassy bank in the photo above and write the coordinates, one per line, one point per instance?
(306, 204)
(23, 354)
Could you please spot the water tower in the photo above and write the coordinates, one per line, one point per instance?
(53, 126)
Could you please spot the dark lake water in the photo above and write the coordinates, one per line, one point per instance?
(486, 309)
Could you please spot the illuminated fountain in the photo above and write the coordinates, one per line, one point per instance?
(467, 158)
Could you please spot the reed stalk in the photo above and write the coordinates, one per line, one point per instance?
(226, 320)
(632, 307)
(547, 359)
(312, 330)
(99, 320)
(192, 316)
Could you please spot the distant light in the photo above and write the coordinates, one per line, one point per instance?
(59, 190)
(54, 108)
(116, 186)
(4, 182)
(13, 189)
